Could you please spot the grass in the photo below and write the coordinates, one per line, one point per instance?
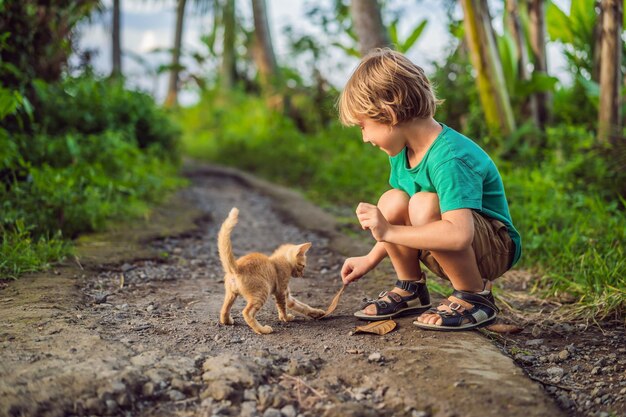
(20, 253)
(573, 232)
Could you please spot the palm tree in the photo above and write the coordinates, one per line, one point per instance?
(537, 15)
(486, 60)
(516, 28)
(610, 70)
(368, 24)
(263, 51)
(171, 99)
(116, 70)
(228, 69)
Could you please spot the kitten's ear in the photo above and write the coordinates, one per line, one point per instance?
(302, 249)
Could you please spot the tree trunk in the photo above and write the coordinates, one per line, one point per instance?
(537, 13)
(529, 107)
(490, 79)
(172, 90)
(368, 24)
(116, 70)
(263, 49)
(597, 45)
(610, 71)
(228, 72)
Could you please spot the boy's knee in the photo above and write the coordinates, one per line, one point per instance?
(394, 205)
(424, 208)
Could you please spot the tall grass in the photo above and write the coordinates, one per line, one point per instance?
(573, 231)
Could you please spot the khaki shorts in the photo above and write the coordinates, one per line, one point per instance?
(492, 245)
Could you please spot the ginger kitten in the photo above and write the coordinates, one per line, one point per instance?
(256, 276)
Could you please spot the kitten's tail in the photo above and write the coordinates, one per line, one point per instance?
(224, 245)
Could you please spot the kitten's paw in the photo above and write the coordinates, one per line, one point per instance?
(265, 330)
(316, 313)
(286, 317)
(227, 320)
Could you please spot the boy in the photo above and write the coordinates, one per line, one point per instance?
(447, 207)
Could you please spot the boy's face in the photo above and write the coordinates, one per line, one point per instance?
(382, 136)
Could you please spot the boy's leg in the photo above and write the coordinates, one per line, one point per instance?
(394, 205)
(460, 267)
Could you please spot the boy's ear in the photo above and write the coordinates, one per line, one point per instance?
(302, 249)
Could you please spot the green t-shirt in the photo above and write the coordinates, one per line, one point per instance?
(462, 175)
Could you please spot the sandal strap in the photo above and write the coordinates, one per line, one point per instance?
(483, 308)
(410, 286)
(477, 299)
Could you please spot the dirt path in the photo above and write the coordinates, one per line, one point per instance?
(141, 337)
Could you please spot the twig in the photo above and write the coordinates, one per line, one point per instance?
(563, 387)
(78, 262)
(300, 381)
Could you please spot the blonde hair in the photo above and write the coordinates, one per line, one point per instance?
(388, 88)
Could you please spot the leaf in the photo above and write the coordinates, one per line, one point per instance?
(377, 327)
(504, 328)
(334, 303)
(414, 36)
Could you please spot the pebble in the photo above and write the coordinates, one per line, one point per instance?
(148, 389)
(563, 355)
(272, 412)
(555, 372)
(289, 411)
(175, 395)
(375, 357)
(534, 342)
(248, 409)
(527, 359)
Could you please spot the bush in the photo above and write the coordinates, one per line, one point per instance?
(97, 152)
(89, 106)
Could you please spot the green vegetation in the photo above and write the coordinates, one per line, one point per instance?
(94, 151)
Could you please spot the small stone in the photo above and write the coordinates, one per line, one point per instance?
(565, 401)
(249, 395)
(111, 406)
(123, 400)
(272, 412)
(527, 359)
(248, 409)
(535, 331)
(175, 395)
(419, 413)
(534, 342)
(148, 389)
(218, 390)
(150, 308)
(94, 406)
(563, 355)
(555, 372)
(375, 357)
(289, 411)
(118, 387)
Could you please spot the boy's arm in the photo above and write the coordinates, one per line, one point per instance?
(355, 268)
(455, 231)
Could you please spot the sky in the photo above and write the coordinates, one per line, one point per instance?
(149, 25)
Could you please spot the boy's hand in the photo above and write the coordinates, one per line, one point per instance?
(371, 218)
(355, 268)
